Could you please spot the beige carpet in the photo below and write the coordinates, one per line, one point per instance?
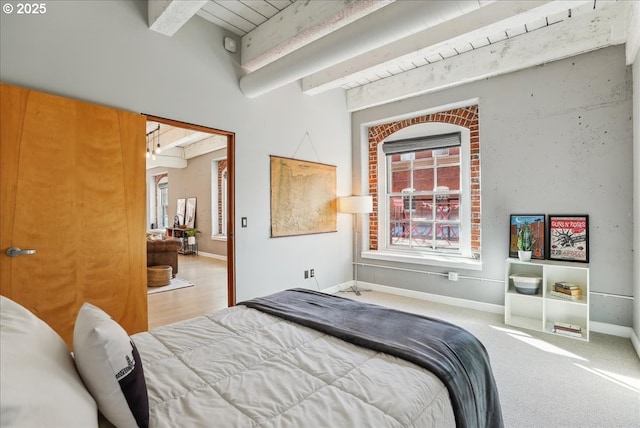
(176, 283)
(546, 381)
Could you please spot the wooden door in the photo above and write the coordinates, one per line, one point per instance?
(72, 187)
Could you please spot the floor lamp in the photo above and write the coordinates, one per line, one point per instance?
(355, 205)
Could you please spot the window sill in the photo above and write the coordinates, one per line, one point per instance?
(219, 238)
(424, 259)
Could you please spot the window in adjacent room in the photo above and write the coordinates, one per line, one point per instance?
(163, 206)
(219, 197)
(160, 202)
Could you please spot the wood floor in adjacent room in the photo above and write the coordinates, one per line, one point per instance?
(208, 295)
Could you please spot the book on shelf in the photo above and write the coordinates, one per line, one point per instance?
(567, 285)
(567, 329)
(565, 296)
(567, 332)
(575, 292)
(566, 325)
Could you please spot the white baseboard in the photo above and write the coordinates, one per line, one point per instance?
(334, 289)
(599, 327)
(611, 329)
(635, 342)
(212, 256)
(453, 301)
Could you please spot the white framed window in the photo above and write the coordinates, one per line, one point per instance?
(223, 205)
(219, 199)
(158, 200)
(424, 198)
(163, 203)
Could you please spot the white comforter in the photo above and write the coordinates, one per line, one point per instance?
(241, 368)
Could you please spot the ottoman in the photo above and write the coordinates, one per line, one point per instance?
(158, 276)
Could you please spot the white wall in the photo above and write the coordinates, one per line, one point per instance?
(555, 139)
(103, 52)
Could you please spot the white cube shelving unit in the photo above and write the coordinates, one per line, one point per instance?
(540, 311)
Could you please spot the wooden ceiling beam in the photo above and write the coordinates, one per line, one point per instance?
(633, 37)
(493, 18)
(168, 16)
(298, 25)
(208, 145)
(562, 40)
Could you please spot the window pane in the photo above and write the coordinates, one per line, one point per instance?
(449, 177)
(447, 236)
(423, 207)
(400, 174)
(396, 219)
(164, 201)
(423, 179)
(396, 209)
(447, 207)
(423, 171)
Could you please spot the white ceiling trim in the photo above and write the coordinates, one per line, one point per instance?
(564, 39)
(173, 136)
(167, 160)
(453, 35)
(168, 16)
(208, 145)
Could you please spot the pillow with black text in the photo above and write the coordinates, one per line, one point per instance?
(109, 363)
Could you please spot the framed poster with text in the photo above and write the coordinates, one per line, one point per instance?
(568, 238)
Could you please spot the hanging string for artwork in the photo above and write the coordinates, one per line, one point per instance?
(306, 137)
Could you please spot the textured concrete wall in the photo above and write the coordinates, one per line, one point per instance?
(555, 139)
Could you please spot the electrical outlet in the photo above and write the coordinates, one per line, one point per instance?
(453, 276)
(306, 274)
(312, 273)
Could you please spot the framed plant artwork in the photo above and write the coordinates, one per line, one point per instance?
(568, 238)
(537, 228)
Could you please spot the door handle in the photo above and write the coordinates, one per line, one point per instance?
(15, 252)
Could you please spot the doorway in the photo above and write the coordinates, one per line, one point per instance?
(180, 142)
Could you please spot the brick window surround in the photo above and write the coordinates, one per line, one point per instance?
(466, 117)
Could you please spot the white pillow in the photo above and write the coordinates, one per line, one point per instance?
(39, 384)
(110, 366)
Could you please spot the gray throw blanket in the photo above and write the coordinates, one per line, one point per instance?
(453, 354)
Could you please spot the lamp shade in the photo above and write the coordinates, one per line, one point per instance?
(355, 204)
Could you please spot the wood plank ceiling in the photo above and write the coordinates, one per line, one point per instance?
(383, 50)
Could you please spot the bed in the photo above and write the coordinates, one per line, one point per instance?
(298, 358)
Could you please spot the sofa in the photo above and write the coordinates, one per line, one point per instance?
(163, 252)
